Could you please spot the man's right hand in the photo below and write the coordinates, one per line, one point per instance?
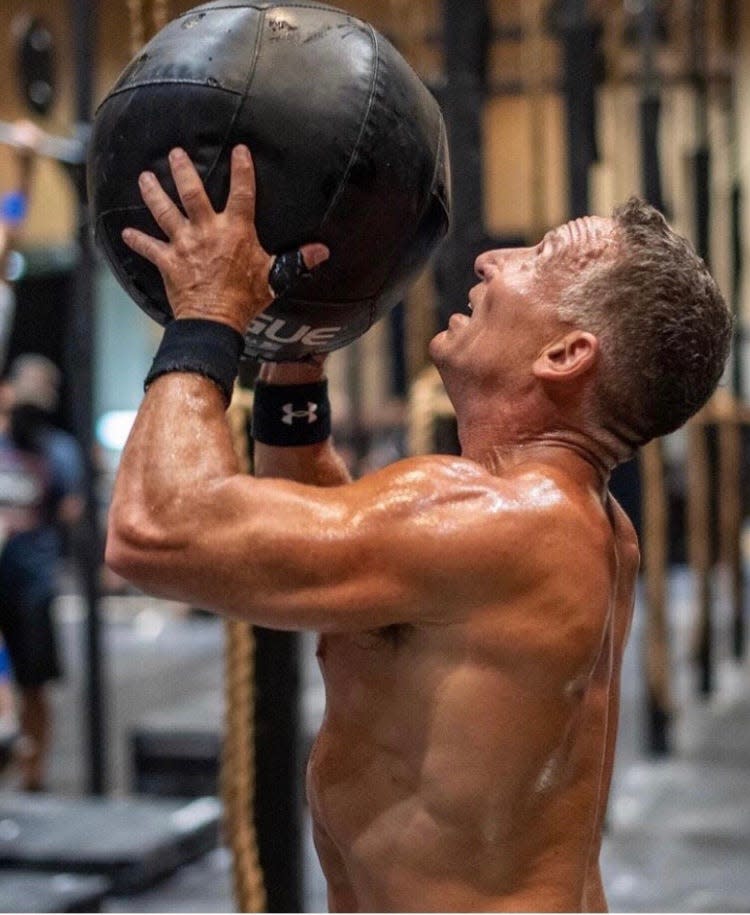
(213, 264)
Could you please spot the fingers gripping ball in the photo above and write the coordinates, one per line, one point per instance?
(349, 150)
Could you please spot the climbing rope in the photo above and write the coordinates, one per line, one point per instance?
(137, 31)
(136, 16)
(238, 758)
(160, 14)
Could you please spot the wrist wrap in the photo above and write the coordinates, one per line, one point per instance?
(204, 347)
(291, 414)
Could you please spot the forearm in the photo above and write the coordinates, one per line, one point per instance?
(180, 445)
(316, 465)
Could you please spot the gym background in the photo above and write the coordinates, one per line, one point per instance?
(554, 109)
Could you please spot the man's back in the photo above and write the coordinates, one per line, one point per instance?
(466, 763)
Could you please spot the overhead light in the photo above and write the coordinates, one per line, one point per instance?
(113, 428)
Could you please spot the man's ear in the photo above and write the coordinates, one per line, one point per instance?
(567, 358)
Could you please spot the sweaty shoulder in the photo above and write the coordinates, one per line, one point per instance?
(525, 496)
(475, 535)
(438, 482)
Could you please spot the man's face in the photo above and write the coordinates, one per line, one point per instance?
(514, 305)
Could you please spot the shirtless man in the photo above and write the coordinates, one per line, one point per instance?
(473, 609)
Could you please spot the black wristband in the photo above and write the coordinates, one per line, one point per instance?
(197, 345)
(291, 414)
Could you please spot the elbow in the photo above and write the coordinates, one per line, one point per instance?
(118, 554)
(134, 549)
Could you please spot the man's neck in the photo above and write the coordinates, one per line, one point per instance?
(568, 457)
(510, 434)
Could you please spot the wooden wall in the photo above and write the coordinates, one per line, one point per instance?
(511, 165)
(524, 153)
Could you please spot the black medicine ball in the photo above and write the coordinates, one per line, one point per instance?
(349, 148)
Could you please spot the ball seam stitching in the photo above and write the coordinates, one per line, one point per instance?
(363, 126)
(166, 82)
(243, 95)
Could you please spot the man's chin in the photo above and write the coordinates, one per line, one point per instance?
(439, 353)
(438, 348)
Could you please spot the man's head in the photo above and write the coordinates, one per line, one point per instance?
(662, 324)
(620, 312)
(36, 382)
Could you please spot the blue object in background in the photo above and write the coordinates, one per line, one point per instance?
(5, 668)
(13, 207)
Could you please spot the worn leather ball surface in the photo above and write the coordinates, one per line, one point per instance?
(349, 148)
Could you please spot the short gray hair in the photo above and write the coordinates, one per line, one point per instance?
(663, 326)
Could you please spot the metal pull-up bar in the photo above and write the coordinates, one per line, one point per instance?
(68, 150)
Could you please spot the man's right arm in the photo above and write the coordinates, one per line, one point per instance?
(316, 465)
(424, 540)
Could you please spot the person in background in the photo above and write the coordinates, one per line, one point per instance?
(8, 716)
(33, 557)
(8, 719)
(35, 380)
(26, 592)
(23, 489)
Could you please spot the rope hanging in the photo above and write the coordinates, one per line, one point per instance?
(238, 758)
(136, 17)
(428, 402)
(137, 33)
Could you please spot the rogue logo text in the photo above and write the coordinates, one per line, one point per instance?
(277, 331)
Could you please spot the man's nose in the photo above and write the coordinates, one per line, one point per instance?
(482, 264)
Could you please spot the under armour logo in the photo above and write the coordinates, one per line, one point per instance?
(290, 414)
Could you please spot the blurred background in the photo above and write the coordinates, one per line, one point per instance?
(110, 795)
